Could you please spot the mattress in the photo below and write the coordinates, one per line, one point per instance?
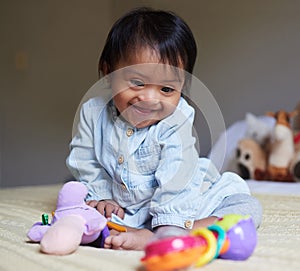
(277, 249)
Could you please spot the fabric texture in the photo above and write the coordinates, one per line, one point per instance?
(154, 173)
(278, 237)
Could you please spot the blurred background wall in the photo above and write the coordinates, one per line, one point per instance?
(248, 58)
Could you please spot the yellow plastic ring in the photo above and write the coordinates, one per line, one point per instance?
(211, 250)
(220, 239)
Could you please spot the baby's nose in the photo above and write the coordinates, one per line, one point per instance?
(150, 93)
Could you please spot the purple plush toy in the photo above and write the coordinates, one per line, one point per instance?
(73, 223)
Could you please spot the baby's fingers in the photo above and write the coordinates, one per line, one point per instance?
(110, 209)
(120, 212)
(101, 207)
(92, 203)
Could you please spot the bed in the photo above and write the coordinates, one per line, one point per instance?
(278, 236)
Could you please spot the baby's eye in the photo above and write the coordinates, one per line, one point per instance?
(167, 89)
(137, 83)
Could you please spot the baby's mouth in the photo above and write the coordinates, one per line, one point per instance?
(142, 110)
(142, 115)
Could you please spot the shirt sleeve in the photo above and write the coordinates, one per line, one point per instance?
(174, 201)
(82, 161)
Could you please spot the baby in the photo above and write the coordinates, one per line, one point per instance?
(136, 153)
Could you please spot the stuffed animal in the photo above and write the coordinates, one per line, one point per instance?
(73, 223)
(295, 167)
(251, 159)
(252, 149)
(295, 164)
(282, 148)
(275, 155)
(258, 130)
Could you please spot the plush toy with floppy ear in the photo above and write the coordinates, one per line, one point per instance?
(73, 223)
(251, 159)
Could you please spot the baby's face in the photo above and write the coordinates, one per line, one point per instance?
(144, 90)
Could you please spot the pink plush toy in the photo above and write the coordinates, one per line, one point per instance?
(73, 223)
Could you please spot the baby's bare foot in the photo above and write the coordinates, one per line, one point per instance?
(132, 240)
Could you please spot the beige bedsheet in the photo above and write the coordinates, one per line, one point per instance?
(278, 247)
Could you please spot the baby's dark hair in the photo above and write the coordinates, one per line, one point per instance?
(163, 31)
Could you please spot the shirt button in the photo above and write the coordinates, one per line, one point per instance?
(123, 187)
(188, 224)
(129, 132)
(121, 159)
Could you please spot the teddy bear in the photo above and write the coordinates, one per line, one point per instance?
(73, 223)
(253, 147)
(251, 159)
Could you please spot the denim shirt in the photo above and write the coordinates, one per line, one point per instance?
(154, 173)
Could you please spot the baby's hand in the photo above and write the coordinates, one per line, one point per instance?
(107, 207)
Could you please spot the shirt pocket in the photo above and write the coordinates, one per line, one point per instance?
(147, 158)
(135, 190)
(142, 188)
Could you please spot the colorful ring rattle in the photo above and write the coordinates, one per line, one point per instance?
(231, 237)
